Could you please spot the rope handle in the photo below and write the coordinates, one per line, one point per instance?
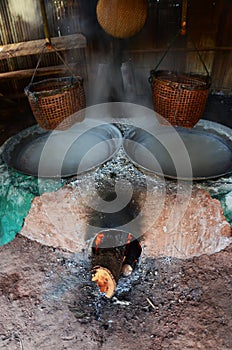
(50, 47)
(182, 31)
(48, 44)
(169, 47)
(200, 57)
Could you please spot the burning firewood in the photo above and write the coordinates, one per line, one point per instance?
(105, 280)
(113, 253)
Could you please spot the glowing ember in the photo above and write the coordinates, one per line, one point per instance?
(105, 280)
(98, 240)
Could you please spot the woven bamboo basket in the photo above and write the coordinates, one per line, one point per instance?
(180, 98)
(122, 18)
(53, 101)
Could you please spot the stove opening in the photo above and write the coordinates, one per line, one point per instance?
(114, 253)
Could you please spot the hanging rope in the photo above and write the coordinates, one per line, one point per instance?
(51, 47)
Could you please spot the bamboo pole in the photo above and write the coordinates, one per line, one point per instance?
(45, 23)
(184, 17)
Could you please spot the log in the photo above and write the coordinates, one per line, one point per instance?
(133, 253)
(108, 251)
(179, 49)
(62, 43)
(105, 280)
(113, 252)
(45, 71)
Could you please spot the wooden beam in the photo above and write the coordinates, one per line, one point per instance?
(67, 42)
(27, 73)
(180, 49)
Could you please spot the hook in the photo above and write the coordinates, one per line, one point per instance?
(184, 17)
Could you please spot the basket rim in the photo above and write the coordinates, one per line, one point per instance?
(204, 81)
(72, 81)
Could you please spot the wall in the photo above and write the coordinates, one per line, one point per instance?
(209, 25)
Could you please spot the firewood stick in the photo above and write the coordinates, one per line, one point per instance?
(114, 252)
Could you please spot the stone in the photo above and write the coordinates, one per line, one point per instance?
(61, 219)
(202, 229)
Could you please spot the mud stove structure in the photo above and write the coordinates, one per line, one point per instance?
(120, 215)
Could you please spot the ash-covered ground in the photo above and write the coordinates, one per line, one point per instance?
(48, 301)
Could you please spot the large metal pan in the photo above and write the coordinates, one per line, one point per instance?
(170, 152)
(55, 154)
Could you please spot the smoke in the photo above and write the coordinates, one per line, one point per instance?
(118, 82)
(27, 10)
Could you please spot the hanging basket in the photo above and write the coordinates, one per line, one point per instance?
(122, 18)
(53, 101)
(180, 98)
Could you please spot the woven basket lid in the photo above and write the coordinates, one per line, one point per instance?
(122, 18)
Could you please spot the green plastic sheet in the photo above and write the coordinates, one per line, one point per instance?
(16, 194)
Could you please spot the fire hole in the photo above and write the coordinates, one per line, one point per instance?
(114, 253)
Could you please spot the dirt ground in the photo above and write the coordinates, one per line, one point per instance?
(48, 301)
